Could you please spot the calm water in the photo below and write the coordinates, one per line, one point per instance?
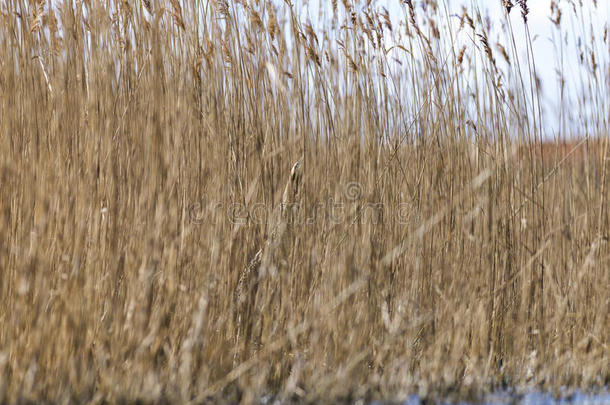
(536, 398)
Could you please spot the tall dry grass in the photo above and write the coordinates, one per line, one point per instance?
(156, 246)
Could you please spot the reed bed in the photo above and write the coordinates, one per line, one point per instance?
(158, 243)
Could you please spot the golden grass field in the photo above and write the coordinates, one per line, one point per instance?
(157, 245)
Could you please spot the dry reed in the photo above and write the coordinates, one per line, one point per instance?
(149, 252)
